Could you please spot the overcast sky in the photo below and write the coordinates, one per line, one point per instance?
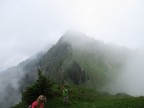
(28, 26)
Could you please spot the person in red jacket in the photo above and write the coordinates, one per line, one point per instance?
(39, 103)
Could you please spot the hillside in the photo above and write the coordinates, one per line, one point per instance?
(78, 59)
(78, 96)
(74, 60)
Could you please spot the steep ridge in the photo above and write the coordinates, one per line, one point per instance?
(75, 59)
(79, 60)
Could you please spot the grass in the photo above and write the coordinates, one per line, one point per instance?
(87, 98)
(100, 103)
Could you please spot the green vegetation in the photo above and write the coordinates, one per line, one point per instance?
(79, 97)
(82, 63)
(88, 63)
(42, 86)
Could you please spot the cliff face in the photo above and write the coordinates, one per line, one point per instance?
(80, 60)
(75, 59)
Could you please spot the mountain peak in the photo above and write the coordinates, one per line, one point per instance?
(76, 38)
(72, 35)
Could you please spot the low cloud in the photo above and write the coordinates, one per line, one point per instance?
(131, 80)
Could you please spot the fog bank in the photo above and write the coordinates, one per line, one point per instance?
(131, 80)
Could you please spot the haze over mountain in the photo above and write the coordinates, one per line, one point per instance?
(78, 60)
(28, 26)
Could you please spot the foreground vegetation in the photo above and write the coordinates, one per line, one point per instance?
(79, 97)
(93, 102)
(100, 103)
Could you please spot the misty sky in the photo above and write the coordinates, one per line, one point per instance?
(28, 26)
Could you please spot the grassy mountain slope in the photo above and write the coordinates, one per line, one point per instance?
(88, 98)
(79, 60)
(78, 96)
(75, 60)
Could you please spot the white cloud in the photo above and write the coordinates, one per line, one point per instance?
(26, 26)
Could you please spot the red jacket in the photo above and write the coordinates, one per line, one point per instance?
(34, 104)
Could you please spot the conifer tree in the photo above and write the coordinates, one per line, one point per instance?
(42, 86)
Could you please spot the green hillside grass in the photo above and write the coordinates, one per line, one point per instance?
(90, 57)
(95, 66)
(87, 98)
(79, 97)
